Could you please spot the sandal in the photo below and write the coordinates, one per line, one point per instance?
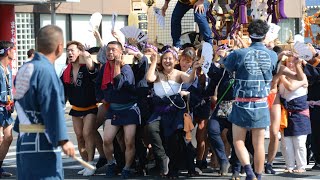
(299, 170)
(288, 171)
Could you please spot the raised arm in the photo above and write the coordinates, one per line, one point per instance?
(299, 75)
(293, 85)
(188, 78)
(151, 73)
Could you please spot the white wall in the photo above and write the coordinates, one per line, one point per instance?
(106, 27)
(45, 19)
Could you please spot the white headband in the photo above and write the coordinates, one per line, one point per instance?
(2, 51)
(256, 36)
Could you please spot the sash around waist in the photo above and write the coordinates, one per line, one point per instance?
(250, 99)
(84, 108)
(31, 128)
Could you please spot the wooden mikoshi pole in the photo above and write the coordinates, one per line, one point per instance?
(83, 163)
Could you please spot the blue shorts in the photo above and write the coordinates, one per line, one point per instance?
(124, 117)
(5, 118)
(250, 117)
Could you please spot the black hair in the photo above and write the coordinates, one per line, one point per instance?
(258, 27)
(94, 50)
(30, 52)
(5, 45)
(116, 43)
(48, 39)
(277, 49)
(164, 48)
(189, 52)
(184, 46)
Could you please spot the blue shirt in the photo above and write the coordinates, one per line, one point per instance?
(39, 91)
(253, 67)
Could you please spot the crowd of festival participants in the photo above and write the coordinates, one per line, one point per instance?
(149, 108)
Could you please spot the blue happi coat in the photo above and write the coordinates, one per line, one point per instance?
(5, 91)
(40, 98)
(253, 69)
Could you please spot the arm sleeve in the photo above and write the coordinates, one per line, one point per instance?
(311, 71)
(125, 78)
(140, 71)
(231, 61)
(215, 74)
(50, 98)
(94, 73)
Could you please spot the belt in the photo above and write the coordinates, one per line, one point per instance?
(250, 99)
(84, 108)
(31, 128)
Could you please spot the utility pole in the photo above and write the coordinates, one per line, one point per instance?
(53, 12)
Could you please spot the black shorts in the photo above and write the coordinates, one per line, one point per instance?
(202, 111)
(83, 113)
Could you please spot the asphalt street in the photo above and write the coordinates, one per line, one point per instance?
(71, 167)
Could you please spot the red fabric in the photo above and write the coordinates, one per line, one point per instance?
(107, 75)
(67, 74)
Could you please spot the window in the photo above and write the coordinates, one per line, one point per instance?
(25, 35)
(164, 35)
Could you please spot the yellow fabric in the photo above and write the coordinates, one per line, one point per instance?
(84, 108)
(31, 128)
(284, 119)
(315, 64)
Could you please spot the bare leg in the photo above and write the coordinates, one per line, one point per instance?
(89, 134)
(99, 121)
(201, 136)
(225, 142)
(78, 128)
(239, 137)
(275, 116)
(109, 133)
(259, 152)
(129, 139)
(7, 140)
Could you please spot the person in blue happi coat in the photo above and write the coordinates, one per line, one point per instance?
(39, 101)
(6, 103)
(255, 68)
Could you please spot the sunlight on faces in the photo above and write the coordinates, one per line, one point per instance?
(73, 53)
(185, 63)
(290, 63)
(113, 50)
(11, 52)
(168, 61)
